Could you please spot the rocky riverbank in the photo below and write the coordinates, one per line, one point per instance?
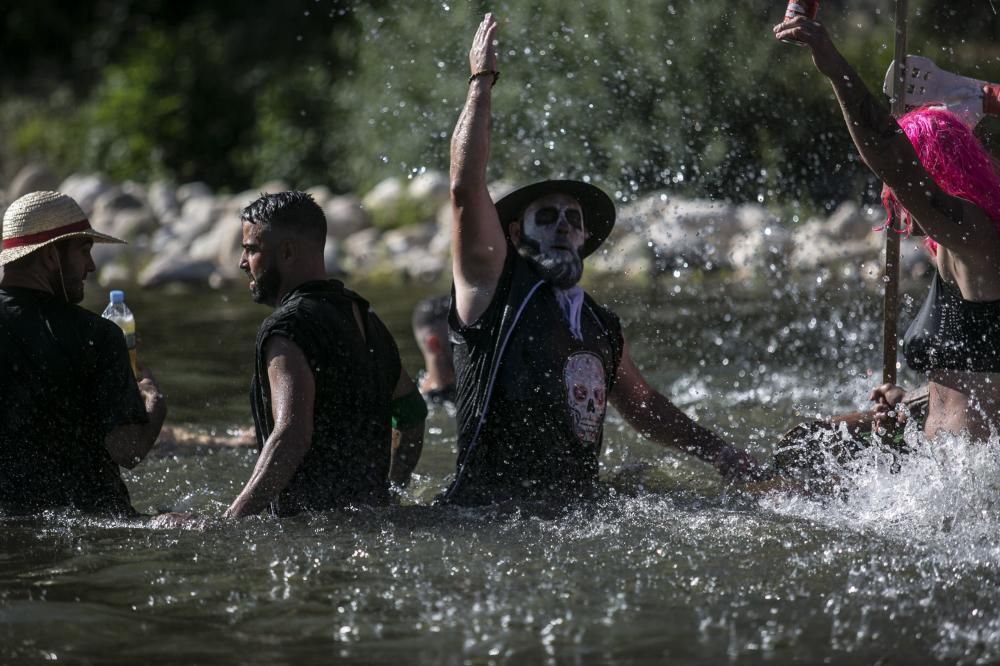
(400, 230)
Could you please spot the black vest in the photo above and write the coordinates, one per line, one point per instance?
(531, 397)
(950, 333)
(348, 460)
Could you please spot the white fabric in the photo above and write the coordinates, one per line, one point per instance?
(929, 85)
(571, 305)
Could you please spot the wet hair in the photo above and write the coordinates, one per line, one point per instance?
(288, 212)
(954, 158)
(431, 312)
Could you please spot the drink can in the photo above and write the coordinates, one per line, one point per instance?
(807, 8)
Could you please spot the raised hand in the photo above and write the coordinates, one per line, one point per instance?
(811, 33)
(483, 55)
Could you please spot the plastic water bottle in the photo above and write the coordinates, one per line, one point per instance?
(119, 313)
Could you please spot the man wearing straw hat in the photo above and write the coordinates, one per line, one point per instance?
(71, 412)
(537, 359)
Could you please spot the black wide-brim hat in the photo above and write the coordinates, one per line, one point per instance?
(598, 208)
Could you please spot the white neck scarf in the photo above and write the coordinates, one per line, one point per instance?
(571, 304)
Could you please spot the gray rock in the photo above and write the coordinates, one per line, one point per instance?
(320, 194)
(430, 188)
(850, 222)
(195, 190)
(115, 274)
(31, 178)
(198, 215)
(386, 195)
(628, 255)
(175, 268)
(344, 216)
(331, 257)
(399, 242)
(362, 250)
(162, 200)
(272, 187)
(684, 233)
(85, 189)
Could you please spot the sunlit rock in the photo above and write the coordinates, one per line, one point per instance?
(400, 241)
(429, 188)
(272, 187)
(362, 250)
(193, 190)
(627, 255)
(175, 268)
(760, 251)
(31, 178)
(123, 214)
(344, 216)
(320, 194)
(85, 189)
(683, 233)
(385, 196)
(114, 274)
(849, 221)
(198, 215)
(161, 196)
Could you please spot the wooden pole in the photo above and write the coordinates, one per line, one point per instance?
(890, 302)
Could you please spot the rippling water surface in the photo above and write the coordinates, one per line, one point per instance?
(668, 567)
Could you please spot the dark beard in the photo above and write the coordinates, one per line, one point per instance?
(560, 271)
(265, 287)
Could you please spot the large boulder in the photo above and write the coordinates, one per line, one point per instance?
(31, 178)
(123, 214)
(344, 216)
(161, 196)
(194, 190)
(171, 268)
(85, 189)
(684, 233)
(430, 189)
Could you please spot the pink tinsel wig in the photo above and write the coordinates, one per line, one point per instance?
(954, 158)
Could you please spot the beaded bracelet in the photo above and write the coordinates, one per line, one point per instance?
(484, 72)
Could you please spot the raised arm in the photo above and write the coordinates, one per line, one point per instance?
(655, 417)
(293, 392)
(954, 223)
(478, 246)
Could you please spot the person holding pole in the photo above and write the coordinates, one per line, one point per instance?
(938, 176)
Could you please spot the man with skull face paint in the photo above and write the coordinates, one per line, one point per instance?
(536, 359)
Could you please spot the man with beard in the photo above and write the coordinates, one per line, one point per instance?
(71, 411)
(328, 387)
(537, 359)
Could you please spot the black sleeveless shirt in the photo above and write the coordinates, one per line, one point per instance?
(950, 333)
(348, 460)
(531, 397)
(65, 384)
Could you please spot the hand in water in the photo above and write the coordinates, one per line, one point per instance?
(175, 519)
(811, 33)
(886, 398)
(483, 55)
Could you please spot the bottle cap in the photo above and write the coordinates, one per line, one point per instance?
(117, 296)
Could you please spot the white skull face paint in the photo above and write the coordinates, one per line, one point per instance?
(552, 236)
(586, 395)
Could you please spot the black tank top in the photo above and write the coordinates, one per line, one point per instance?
(531, 397)
(950, 333)
(348, 460)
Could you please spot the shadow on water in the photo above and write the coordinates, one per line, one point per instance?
(668, 565)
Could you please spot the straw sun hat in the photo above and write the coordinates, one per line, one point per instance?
(40, 218)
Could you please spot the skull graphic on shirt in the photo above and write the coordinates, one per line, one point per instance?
(586, 395)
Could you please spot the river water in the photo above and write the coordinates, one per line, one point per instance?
(669, 567)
